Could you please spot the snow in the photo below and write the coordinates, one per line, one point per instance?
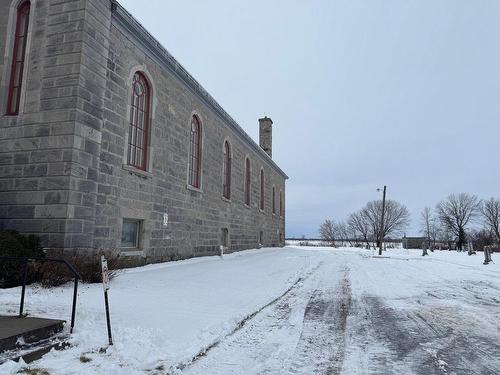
(299, 310)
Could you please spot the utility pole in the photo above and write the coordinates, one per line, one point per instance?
(382, 223)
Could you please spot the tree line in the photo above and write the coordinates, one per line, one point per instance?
(461, 219)
(365, 225)
(450, 222)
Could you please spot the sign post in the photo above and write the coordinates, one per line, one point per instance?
(105, 285)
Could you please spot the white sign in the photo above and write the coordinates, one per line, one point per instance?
(105, 273)
(165, 219)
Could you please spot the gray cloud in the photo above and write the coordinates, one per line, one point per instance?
(362, 93)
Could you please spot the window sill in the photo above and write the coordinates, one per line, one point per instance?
(262, 211)
(248, 206)
(227, 200)
(192, 188)
(137, 172)
(131, 252)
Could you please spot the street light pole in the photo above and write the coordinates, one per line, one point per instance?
(382, 223)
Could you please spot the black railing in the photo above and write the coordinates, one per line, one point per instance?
(26, 261)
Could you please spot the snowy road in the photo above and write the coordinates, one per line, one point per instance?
(285, 311)
(355, 315)
(303, 332)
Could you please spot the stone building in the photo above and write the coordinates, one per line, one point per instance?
(108, 143)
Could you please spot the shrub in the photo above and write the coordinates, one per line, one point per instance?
(14, 244)
(89, 267)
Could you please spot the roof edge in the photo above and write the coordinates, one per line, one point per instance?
(159, 53)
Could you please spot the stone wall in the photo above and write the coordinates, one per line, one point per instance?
(62, 173)
(49, 152)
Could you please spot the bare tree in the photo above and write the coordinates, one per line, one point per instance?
(456, 212)
(491, 214)
(428, 225)
(351, 234)
(481, 238)
(445, 236)
(344, 233)
(327, 231)
(397, 218)
(359, 226)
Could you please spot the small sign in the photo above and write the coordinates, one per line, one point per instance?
(165, 219)
(105, 285)
(105, 273)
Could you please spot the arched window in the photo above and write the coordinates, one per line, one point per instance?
(139, 123)
(281, 203)
(247, 181)
(195, 153)
(226, 186)
(18, 56)
(262, 189)
(274, 200)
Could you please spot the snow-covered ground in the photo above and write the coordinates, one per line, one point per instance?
(321, 243)
(279, 311)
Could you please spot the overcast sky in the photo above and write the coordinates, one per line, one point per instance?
(362, 93)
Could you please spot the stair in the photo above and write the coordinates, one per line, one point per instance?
(29, 338)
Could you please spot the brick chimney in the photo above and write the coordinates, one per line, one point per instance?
(266, 135)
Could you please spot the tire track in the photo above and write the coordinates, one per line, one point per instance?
(427, 341)
(242, 323)
(322, 344)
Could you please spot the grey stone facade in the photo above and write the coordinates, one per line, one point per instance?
(63, 172)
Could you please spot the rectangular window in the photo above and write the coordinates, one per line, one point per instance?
(131, 230)
(261, 237)
(224, 241)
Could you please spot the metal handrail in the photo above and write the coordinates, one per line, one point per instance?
(26, 260)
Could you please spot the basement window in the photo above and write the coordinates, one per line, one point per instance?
(130, 233)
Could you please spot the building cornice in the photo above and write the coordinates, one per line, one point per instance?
(153, 48)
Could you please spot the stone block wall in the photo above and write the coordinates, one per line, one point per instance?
(49, 151)
(62, 173)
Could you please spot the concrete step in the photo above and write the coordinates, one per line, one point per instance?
(32, 352)
(16, 332)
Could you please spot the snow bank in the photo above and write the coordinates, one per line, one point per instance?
(164, 314)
